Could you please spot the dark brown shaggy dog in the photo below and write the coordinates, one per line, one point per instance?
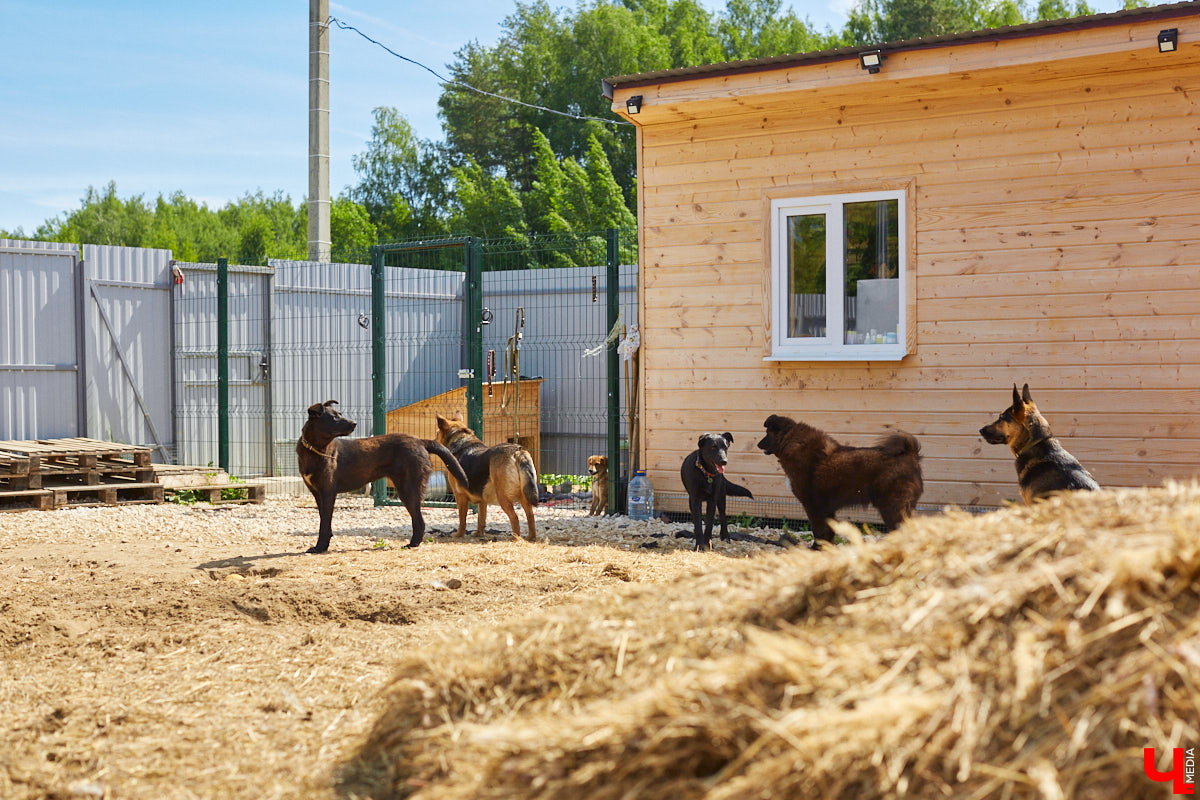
(330, 465)
(501, 474)
(826, 476)
(598, 469)
(1043, 465)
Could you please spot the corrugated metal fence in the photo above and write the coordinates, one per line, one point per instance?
(85, 343)
(109, 346)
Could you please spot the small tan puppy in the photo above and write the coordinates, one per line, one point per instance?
(598, 469)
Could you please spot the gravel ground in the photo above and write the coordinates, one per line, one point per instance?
(195, 651)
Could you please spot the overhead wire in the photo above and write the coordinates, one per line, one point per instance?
(449, 82)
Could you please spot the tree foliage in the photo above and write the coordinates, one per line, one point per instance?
(509, 169)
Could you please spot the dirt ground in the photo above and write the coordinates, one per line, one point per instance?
(168, 651)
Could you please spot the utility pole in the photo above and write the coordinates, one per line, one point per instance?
(318, 130)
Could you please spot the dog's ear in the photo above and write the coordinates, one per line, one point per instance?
(442, 422)
(315, 410)
(1017, 396)
(329, 403)
(700, 441)
(458, 417)
(1025, 393)
(728, 436)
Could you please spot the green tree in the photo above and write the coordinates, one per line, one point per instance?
(402, 179)
(351, 230)
(102, 218)
(760, 28)
(486, 205)
(607, 204)
(545, 202)
(254, 239)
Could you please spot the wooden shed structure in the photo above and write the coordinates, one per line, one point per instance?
(891, 237)
(511, 413)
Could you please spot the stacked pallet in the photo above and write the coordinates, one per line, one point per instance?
(207, 484)
(57, 473)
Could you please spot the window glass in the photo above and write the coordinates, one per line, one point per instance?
(806, 275)
(871, 293)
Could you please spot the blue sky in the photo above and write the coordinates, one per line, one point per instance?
(211, 99)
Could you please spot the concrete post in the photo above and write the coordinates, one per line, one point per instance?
(318, 130)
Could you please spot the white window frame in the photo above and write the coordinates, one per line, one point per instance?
(831, 347)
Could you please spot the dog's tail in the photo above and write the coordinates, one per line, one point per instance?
(733, 490)
(445, 455)
(900, 443)
(530, 483)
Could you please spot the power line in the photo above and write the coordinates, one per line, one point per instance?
(446, 81)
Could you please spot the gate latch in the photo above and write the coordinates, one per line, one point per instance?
(466, 374)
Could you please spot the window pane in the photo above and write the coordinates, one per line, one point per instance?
(806, 275)
(872, 289)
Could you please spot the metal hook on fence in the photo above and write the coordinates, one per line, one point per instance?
(491, 369)
(512, 369)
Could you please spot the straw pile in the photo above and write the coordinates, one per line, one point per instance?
(1031, 652)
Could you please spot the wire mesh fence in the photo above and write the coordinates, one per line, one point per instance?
(514, 335)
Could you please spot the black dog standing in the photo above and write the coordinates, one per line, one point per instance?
(703, 475)
(331, 464)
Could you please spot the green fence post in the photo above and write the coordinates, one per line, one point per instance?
(223, 363)
(613, 293)
(378, 360)
(473, 331)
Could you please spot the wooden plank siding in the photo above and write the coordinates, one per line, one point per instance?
(1055, 184)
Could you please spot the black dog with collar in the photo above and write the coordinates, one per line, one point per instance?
(703, 475)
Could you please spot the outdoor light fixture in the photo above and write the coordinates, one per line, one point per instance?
(1167, 40)
(634, 104)
(871, 61)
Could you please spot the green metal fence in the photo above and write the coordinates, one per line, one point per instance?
(535, 361)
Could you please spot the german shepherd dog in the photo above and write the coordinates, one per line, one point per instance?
(1043, 465)
(598, 469)
(826, 475)
(703, 476)
(501, 474)
(330, 465)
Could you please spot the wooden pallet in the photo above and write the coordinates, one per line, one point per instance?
(106, 494)
(80, 455)
(55, 473)
(26, 500)
(255, 492)
(18, 471)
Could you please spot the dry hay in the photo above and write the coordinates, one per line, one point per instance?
(1030, 652)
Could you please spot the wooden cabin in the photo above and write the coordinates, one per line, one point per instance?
(891, 237)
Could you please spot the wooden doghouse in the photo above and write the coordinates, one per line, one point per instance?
(515, 417)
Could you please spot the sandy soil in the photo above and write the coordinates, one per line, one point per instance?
(178, 652)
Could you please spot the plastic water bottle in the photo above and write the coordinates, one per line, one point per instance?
(641, 496)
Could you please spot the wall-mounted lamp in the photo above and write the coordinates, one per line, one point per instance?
(871, 61)
(634, 104)
(1168, 40)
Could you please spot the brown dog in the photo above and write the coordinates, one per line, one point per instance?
(826, 476)
(1043, 465)
(330, 465)
(598, 469)
(502, 474)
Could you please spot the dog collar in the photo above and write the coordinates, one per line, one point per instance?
(315, 450)
(707, 474)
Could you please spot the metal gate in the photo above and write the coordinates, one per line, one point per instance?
(525, 352)
(42, 386)
(223, 409)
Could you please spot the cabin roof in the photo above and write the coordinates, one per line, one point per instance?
(1039, 28)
